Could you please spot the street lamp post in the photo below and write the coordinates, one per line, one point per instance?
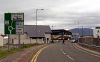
(36, 21)
(82, 32)
(52, 34)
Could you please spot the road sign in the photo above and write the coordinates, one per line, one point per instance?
(14, 23)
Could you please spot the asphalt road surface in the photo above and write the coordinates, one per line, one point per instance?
(67, 52)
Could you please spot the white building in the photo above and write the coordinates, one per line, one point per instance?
(96, 32)
(33, 34)
(3, 40)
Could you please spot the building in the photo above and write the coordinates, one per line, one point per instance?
(96, 32)
(33, 34)
(3, 40)
(39, 32)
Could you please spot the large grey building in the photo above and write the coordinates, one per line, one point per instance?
(33, 34)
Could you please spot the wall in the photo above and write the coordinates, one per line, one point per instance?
(48, 38)
(24, 36)
(26, 40)
(90, 41)
(5, 41)
(1, 41)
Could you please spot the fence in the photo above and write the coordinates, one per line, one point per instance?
(90, 41)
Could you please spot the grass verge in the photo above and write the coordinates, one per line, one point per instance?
(5, 53)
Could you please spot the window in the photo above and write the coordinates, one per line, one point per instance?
(98, 36)
(98, 31)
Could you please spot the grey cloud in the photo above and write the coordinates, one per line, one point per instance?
(66, 18)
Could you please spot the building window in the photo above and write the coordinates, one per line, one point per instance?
(98, 31)
(98, 36)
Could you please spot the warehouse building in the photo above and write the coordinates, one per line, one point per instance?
(33, 34)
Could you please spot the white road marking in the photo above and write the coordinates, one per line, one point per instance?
(70, 57)
(78, 48)
(63, 52)
(67, 55)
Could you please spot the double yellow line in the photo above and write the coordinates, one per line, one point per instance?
(34, 59)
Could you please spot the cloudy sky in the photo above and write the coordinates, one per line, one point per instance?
(62, 14)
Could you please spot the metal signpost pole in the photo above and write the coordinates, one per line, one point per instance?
(19, 40)
(78, 32)
(82, 32)
(63, 37)
(52, 34)
(8, 42)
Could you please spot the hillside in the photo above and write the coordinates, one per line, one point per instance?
(82, 31)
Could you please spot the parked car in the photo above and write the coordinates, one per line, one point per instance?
(73, 40)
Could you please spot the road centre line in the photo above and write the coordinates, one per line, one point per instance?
(34, 59)
(67, 55)
(63, 52)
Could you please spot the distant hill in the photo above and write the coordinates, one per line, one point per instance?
(82, 31)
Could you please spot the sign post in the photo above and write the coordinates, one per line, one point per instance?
(14, 24)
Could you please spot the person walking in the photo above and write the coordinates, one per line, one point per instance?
(63, 42)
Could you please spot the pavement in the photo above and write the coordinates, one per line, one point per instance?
(22, 56)
(67, 52)
(86, 49)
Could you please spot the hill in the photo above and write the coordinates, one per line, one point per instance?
(82, 31)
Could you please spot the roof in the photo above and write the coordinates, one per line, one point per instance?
(32, 31)
(97, 27)
(60, 31)
(3, 35)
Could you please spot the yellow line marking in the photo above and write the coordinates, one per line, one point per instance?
(34, 59)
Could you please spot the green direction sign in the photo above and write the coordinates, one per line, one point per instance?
(13, 23)
(10, 25)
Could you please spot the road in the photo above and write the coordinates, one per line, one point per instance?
(67, 52)
(22, 56)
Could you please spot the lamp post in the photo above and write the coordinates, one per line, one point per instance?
(78, 32)
(82, 31)
(52, 34)
(36, 21)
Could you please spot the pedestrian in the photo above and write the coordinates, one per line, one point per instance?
(63, 41)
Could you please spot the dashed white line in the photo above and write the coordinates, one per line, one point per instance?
(63, 52)
(70, 57)
(67, 55)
